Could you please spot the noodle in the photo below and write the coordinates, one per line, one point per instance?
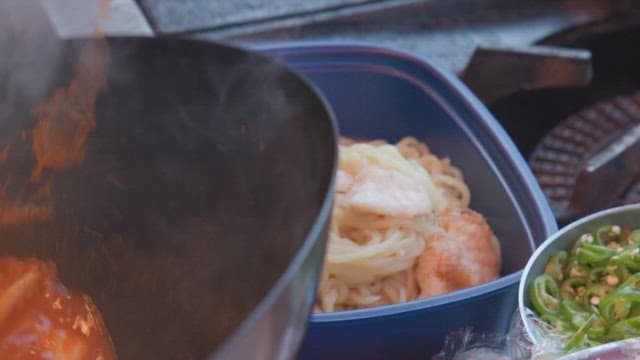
(374, 243)
(446, 177)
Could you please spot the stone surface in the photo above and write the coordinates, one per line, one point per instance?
(433, 29)
(77, 18)
(170, 16)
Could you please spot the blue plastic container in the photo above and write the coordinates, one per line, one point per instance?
(382, 93)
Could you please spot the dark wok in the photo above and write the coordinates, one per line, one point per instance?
(197, 219)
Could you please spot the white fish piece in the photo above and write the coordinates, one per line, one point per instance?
(386, 191)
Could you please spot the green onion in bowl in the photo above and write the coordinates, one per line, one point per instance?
(583, 283)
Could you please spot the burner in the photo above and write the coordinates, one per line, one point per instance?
(591, 160)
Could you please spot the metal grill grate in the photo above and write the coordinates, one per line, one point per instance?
(560, 159)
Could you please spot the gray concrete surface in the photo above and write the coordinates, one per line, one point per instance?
(75, 18)
(445, 31)
(170, 16)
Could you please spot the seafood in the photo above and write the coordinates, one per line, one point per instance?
(464, 253)
(41, 319)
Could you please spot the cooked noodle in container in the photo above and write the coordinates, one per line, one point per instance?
(400, 222)
(428, 185)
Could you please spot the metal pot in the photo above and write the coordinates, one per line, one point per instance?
(624, 216)
(197, 218)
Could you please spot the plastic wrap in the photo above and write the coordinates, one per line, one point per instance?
(517, 344)
(467, 344)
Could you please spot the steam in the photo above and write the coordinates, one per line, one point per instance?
(250, 85)
(29, 53)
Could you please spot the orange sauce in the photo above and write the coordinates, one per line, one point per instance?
(41, 319)
(64, 123)
(4, 154)
(38, 209)
(67, 119)
(13, 213)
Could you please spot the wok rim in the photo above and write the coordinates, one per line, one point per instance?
(322, 218)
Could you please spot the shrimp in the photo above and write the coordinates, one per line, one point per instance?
(41, 319)
(410, 283)
(465, 253)
(344, 181)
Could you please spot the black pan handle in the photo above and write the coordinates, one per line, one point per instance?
(608, 174)
(494, 72)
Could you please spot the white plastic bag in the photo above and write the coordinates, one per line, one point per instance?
(468, 344)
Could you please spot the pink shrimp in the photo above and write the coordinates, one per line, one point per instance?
(42, 319)
(465, 253)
